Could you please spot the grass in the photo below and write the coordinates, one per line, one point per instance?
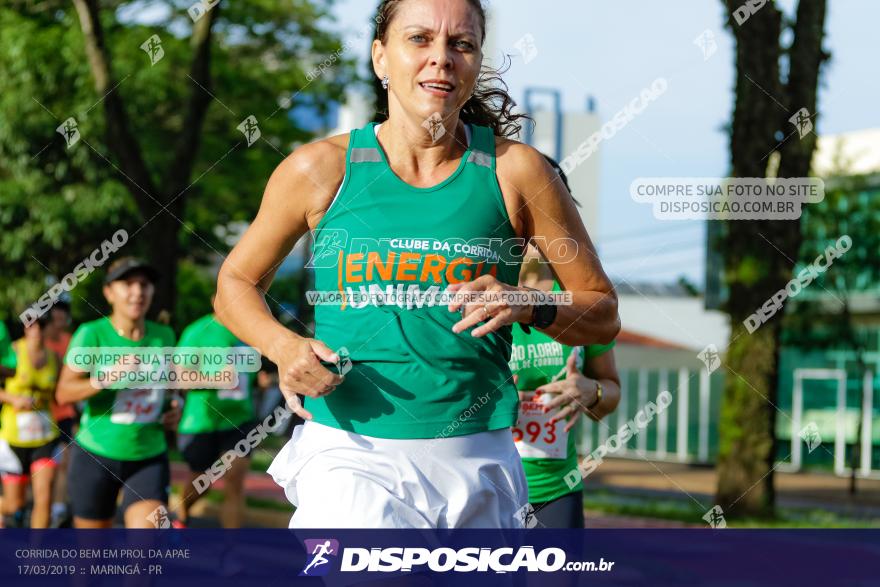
(261, 459)
(259, 503)
(681, 511)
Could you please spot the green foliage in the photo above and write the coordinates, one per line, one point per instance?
(821, 315)
(57, 203)
(195, 286)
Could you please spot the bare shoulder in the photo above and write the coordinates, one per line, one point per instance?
(313, 172)
(519, 160)
(522, 173)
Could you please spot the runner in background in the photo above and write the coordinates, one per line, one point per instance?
(57, 340)
(58, 327)
(29, 429)
(271, 398)
(7, 355)
(121, 442)
(7, 369)
(571, 380)
(213, 422)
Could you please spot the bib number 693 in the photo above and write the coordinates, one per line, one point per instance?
(533, 431)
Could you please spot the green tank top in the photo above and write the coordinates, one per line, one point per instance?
(7, 355)
(411, 376)
(209, 410)
(536, 359)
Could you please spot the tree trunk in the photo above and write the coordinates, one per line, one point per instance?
(859, 349)
(162, 212)
(160, 239)
(759, 255)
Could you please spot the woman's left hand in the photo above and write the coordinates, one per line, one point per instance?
(489, 306)
(573, 394)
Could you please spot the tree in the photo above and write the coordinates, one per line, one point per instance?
(759, 255)
(160, 153)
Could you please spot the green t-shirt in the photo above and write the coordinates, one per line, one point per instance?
(536, 359)
(208, 410)
(7, 355)
(121, 424)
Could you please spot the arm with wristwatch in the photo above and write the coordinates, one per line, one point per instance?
(594, 392)
(543, 310)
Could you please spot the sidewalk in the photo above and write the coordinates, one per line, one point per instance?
(793, 490)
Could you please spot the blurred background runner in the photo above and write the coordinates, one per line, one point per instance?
(213, 422)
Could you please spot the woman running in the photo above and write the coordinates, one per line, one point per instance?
(213, 422)
(7, 355)
(57, 340)
(576, 381)
(412, 428)
(121, 440)
(29, 428)
(8, 461)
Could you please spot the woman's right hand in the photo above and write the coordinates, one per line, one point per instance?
(300, 371)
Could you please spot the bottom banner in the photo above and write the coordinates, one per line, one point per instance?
(547, 558)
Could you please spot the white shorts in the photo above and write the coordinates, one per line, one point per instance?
(339, 479)
(9, 463)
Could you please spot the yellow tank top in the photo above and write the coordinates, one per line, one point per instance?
(30, 428)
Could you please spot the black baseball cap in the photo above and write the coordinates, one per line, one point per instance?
(126, 265)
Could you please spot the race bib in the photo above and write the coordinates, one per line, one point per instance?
(239, 392)
(33, 426)
(535, 436)
(137, 406)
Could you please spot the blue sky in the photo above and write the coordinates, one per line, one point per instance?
(611, 50)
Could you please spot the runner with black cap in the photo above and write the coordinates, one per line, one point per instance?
(121, 441)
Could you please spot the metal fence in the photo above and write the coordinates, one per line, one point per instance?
(818, 421)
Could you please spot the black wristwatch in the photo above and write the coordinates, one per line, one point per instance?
(543, 314)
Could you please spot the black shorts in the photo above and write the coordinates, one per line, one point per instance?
(94, 482)
(566, 511)
(31, 459)
(65, 426)
(200, 451)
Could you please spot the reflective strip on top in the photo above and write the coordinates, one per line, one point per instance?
(365, 155)
(480, 158)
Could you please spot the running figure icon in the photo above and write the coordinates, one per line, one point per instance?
(318, 559)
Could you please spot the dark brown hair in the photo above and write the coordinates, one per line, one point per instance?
(490, 104)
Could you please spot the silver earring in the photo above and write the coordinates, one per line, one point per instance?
(385, 83)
